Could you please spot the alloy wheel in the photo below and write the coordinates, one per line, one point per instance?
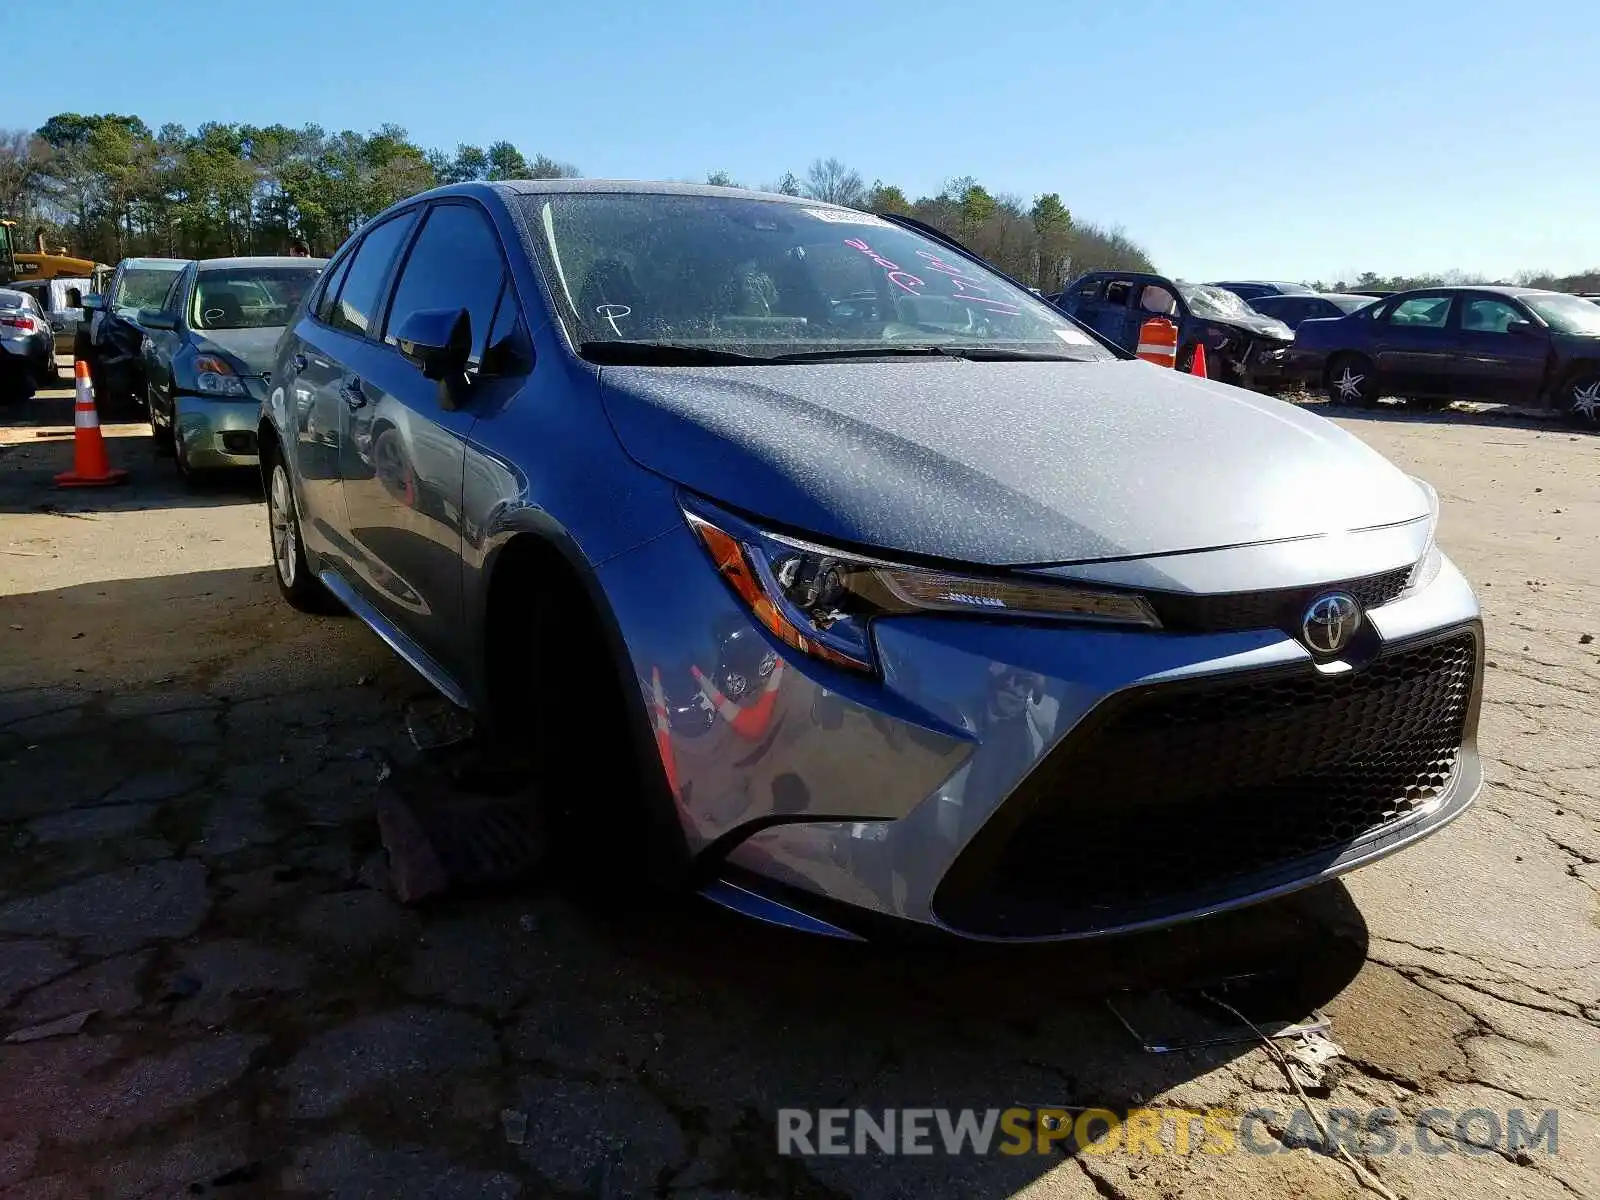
(285, 534)
(1584, 401)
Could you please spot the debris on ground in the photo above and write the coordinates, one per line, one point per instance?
(1167, 1021)
(60, 1027)
(458, 823)
(1585, 639)
(515, 1123)
(433, 723)
(1310, 1056)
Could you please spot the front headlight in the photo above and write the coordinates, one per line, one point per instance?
(215, 376)
(821, 601)
(1432, 560)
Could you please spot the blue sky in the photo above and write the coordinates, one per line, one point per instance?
(1273, 140)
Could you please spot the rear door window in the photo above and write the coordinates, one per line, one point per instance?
(355, 307)
(1421, 312)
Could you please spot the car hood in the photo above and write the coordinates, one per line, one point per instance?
(252, 347)
(1005, 463)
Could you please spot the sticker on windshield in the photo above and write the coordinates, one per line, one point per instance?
(842, 216)
(1073, 338)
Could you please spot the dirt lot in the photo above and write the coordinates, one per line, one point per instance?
(187, 772)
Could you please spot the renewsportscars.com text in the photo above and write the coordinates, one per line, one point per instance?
(1156, 1131)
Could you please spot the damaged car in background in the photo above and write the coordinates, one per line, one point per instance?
(206, 354)
(1243, 346)
(110, 341)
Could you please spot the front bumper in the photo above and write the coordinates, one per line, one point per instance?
(820, 793)
(1266, 364)
(217, 434)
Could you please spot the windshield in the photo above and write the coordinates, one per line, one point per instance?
(1568, 314)
(143, 287)
(249, 297)
(1210, 301)
(765, 279)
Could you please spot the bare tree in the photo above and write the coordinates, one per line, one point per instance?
(23, 160)
(830, 180)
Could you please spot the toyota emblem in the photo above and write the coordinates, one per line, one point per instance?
(1330, 622)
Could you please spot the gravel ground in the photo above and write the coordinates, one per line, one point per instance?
(187, 772)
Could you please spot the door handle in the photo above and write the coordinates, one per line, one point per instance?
(350, 393)
(299, 362)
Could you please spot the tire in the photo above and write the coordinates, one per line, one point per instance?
(160, 435)
(1580, 398)
(296, 583)
(180, 458)
(1350, 379)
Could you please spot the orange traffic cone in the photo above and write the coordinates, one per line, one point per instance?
(90, 467)
(1198, 366)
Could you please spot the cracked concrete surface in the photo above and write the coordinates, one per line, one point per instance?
(186, 776)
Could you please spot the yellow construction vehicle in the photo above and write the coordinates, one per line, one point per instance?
(40, 264)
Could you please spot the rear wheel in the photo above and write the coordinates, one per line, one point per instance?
(1350, 379)
(1581, 398)
(180, 455)
(296, 583)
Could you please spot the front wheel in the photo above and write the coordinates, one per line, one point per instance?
(296, 583)
(1581, 396)
(160, 435)
(1350, 379)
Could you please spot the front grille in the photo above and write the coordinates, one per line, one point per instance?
(1183, 791)
(1280, 609)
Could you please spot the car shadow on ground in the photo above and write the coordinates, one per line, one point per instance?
(29, 464)
(239, 752)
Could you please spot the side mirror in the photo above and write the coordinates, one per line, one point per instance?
(94, 302)
(151, 318)
(1522, 328)
(438, 341)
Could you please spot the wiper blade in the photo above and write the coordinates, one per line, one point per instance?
(662, 354)
(677, 354)
(971, 353)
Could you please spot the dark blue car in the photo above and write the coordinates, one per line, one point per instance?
(1434, 345)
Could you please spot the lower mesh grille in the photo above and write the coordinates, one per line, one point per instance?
(1180, 790)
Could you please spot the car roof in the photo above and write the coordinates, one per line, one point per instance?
(1499, 289)
(176, 264)
(259, 260)
(643, 187)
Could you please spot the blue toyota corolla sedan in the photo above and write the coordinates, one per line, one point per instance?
(826, 572)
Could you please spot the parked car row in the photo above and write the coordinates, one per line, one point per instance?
(187, 344)
(1429, 347)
